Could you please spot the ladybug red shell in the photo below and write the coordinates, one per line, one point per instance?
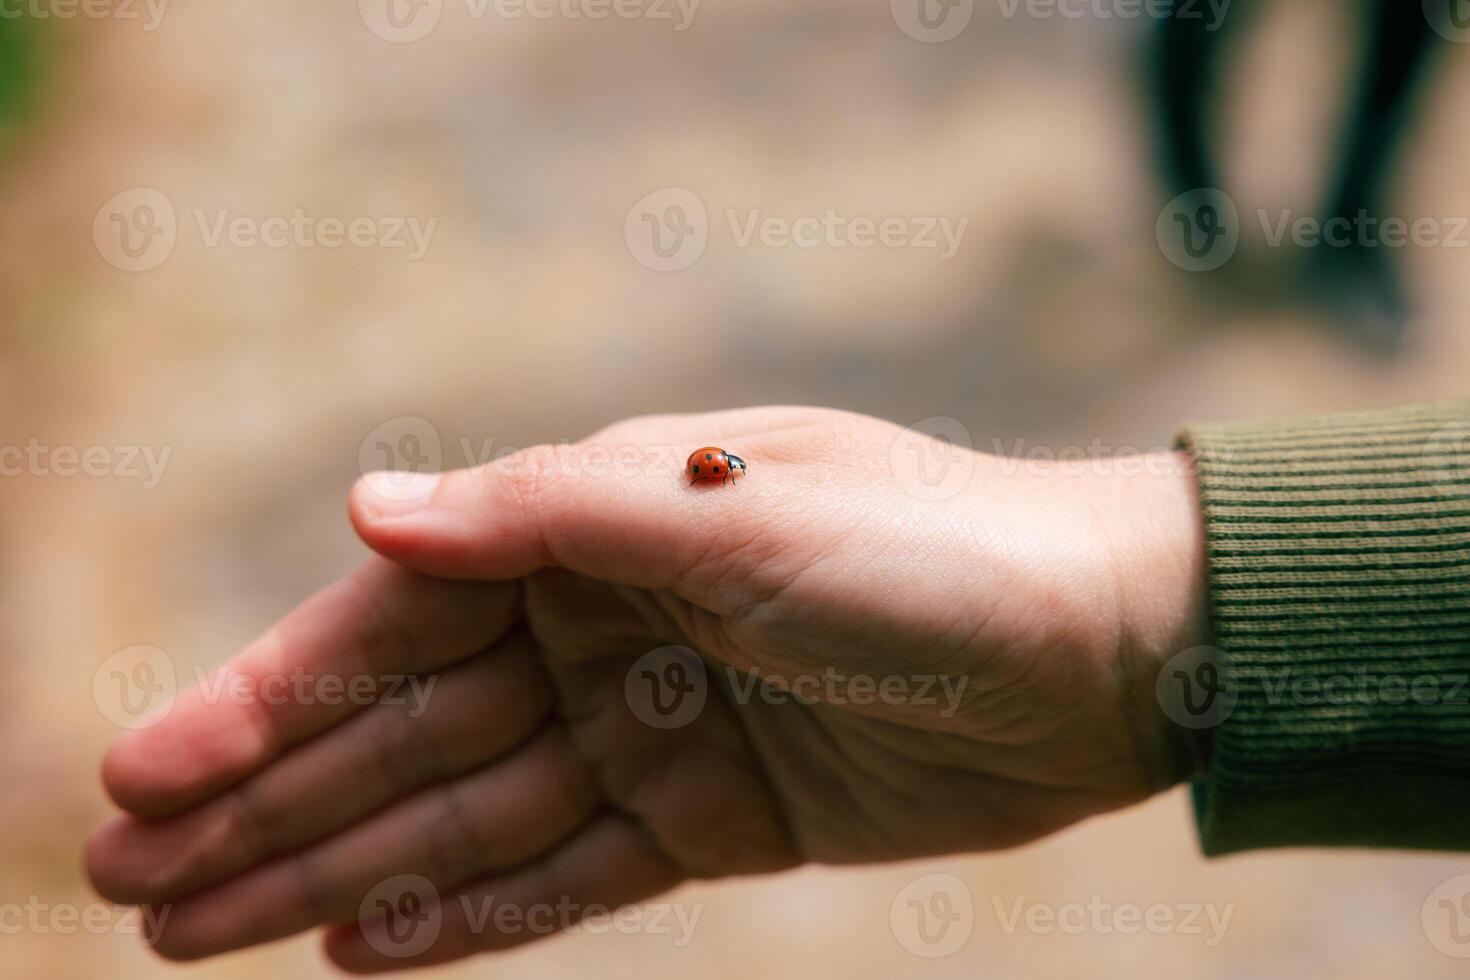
(713, 463)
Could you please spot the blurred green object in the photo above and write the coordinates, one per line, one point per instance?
(19, 63)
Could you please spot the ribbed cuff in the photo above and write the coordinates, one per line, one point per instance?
(1339, 562)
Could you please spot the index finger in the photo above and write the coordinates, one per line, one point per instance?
(379, 623)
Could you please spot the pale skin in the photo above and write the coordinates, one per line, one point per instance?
(528, 589)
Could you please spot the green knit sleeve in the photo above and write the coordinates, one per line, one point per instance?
(1339, 564)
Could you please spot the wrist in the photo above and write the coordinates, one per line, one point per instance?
(1157, 545)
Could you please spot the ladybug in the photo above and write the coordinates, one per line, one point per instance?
(711, 463)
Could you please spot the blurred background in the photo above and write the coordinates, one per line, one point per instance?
(141, 318)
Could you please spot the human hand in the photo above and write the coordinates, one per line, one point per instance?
(1018, 626)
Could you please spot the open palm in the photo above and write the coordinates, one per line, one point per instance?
(625, 682)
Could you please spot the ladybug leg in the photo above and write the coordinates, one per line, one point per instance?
(694, 481)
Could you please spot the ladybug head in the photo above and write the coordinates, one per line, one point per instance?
(737, 465)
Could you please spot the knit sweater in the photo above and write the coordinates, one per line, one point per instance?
(1339, 564)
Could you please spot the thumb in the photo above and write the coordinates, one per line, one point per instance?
(625, 515)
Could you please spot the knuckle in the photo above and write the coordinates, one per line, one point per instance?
(410, 751)
(462, 846)
(314, 897)
(252, 822)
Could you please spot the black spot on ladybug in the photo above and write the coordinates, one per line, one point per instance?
(708, 456)
(696, 467)
(717, 469)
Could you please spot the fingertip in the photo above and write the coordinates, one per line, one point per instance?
(99, 855)
(117, 874)
(133, 780)
(389, 494)
(154, 772)
(395, 518)
(451, 532)
(346, 948)
(336, 946)
(176, 946)
(426, 543)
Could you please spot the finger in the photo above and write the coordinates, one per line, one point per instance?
(610, 864)
(458, 722)
(616, 507)
(379, 623)
(501, 816)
